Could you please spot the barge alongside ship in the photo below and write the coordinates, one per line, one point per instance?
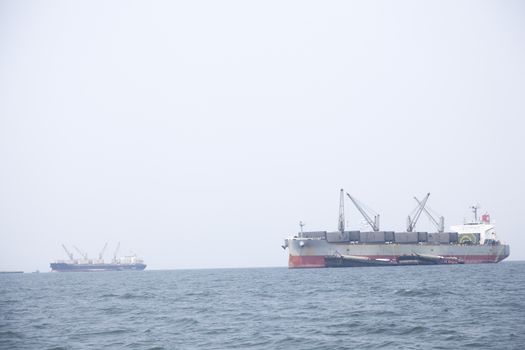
(473, 242)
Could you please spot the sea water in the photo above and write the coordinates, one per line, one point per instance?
(411, 307)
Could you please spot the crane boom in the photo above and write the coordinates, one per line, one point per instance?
(375, 223)
(412, 222)
(116, 252)
(440, 226)
(101, 254)
(84, 255)
(68, 252)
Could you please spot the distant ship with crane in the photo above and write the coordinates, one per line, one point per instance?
(472, 242)
(85, 264)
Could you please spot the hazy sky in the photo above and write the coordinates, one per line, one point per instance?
(199, 133)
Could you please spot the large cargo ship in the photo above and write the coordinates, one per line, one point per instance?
(471, 242)
(84, 264)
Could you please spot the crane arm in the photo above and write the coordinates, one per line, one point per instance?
(440, 226)
(68, 252)
(101, 254)
(365, 215)
(434, 221)
(116, 252)
(421, 206)
(84, 255)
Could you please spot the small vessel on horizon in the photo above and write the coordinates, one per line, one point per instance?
(124, 263)
(10, 272)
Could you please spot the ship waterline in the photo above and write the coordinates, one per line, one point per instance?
(71, 267)
(304, 253)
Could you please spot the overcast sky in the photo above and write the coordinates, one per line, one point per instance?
(199, 133)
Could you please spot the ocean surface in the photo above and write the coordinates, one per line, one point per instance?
(412, 307)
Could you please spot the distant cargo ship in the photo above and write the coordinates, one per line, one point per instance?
(125, 263)
(473, 242)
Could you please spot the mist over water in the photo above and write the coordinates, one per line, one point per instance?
(441, 307)
(199, 134)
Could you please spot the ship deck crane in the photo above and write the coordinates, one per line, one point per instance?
(440, 226)
(411, 222)
(68, 253)
(84, 255)
(101, 254)
(116, 252)
(373, 224)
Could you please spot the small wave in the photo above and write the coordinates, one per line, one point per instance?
(115, 331)
(134, 296)
(10, 334)
(386, 313)
(511, 305)
(413, 330)
(386, 344)
(475, 345)
(113, 310)
(346, 324)
(454, 337)
(106, 332)
(203, 293)
(378, 330)
(187, 321)
(110, 295)
(126, 295)
(416, 292)
(42, 325)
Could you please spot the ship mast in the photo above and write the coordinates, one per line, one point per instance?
(475, 211)
(341, 225)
